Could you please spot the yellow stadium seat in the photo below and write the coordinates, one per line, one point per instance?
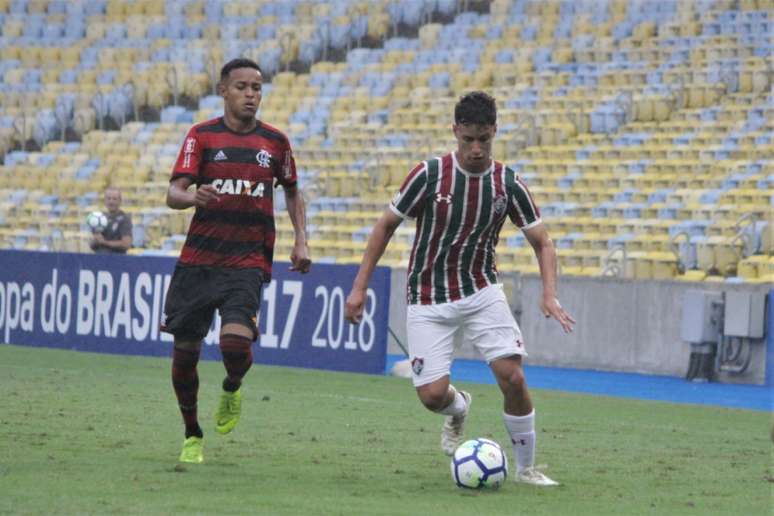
(750, 267)
(692, 275)
(13, 28)
(428, 34)
(719, 254)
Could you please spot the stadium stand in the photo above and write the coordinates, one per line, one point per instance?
(644, 129)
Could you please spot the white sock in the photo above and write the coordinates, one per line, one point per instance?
(457, 407)
(522, 432)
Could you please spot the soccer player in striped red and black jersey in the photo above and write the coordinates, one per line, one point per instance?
(233, 163)
(460, 202)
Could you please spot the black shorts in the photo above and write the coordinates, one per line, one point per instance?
(196, 291)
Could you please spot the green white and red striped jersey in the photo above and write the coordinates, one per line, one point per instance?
(458, 220)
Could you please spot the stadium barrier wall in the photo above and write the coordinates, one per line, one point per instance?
(114, 304)
(623, 325)
(770, 340)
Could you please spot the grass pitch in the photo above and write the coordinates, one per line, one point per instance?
(100, 434)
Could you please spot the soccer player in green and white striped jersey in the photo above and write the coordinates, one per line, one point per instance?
(460, 202)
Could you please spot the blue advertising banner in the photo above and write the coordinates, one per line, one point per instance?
(114, 304)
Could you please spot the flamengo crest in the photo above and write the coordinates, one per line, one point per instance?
(263, 158)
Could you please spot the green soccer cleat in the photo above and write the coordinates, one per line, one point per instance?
(229, 411)
(192, 450)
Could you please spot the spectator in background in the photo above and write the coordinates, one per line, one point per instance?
(117, 235)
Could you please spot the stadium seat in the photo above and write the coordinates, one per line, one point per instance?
(626, 122)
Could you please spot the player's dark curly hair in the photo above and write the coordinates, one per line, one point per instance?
(240, 62)
(476, 108)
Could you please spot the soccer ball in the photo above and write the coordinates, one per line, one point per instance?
(96, 221)
(479, 463)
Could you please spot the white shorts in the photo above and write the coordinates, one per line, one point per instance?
(485, 319)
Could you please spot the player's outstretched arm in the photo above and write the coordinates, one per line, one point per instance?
(300, 258)
(377, 243)
(179, 197)
(538, 238)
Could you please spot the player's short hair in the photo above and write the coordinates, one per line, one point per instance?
(240, 62)
(475, 108)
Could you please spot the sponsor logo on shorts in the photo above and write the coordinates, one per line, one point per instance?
(417, 364)
(519, 343)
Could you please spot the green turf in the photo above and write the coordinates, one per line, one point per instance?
(87, 433)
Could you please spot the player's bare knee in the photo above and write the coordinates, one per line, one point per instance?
(433, 397)
(434, 403)
(239, 329)
(188, 343)
(516, 380)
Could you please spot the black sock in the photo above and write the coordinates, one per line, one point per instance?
(185, 380)
(193, 431)
(229, 385)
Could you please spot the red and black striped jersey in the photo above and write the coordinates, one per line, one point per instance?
(237, 230)
(458, 220)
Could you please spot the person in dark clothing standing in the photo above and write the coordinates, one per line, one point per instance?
(117, 236)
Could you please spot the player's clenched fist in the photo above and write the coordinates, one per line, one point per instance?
(299, 259)
(205, 194)
(353, 310)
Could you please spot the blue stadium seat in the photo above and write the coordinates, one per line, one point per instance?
(95, 7)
